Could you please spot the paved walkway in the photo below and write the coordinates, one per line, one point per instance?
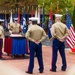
(22, 64)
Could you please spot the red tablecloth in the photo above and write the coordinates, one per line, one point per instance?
(8, 45)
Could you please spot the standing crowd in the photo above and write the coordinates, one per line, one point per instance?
(36, 34)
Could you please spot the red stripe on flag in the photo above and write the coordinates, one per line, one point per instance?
(69, 42)
(71, 38)
(18, 17)
(50, 14)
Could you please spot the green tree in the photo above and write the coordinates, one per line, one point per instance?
(62, 4)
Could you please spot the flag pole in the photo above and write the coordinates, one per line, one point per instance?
(5, 14)
(57, 11)
(50, 23)
(22, 10)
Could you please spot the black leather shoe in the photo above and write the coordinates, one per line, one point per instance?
(29, 72)
(63, 69)
(52, 70)
(41, 71)
(2, 58)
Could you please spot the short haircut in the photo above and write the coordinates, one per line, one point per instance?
(34, 22)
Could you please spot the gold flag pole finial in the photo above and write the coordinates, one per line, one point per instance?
(28, 9)
(22, 10)
(16, 9)
(32, 7)
(13, 11)
(5, 11)
(24, 7)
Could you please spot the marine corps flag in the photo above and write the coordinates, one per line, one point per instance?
(24, 26)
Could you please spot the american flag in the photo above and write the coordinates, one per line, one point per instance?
(71, 38)
(24, 26)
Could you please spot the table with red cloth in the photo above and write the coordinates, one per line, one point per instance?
(15, 45)
(8, 45)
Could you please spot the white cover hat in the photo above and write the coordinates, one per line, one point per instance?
(15, 18)
(33, 19)
(1, 20)
(58, 15)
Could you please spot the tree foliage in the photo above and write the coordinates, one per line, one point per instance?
(62, 4)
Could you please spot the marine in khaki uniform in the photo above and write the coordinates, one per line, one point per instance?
(1, 38)
(59, 33)
(15, 27)
(36, 35)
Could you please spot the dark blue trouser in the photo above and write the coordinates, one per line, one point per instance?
(57, 45)
(38, 49)
(1, 44)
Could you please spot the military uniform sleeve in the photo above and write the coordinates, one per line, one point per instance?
(27, 35)
(66, 32)
(10, 26)
(43, 36)
(1, 32)
(53, 31)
